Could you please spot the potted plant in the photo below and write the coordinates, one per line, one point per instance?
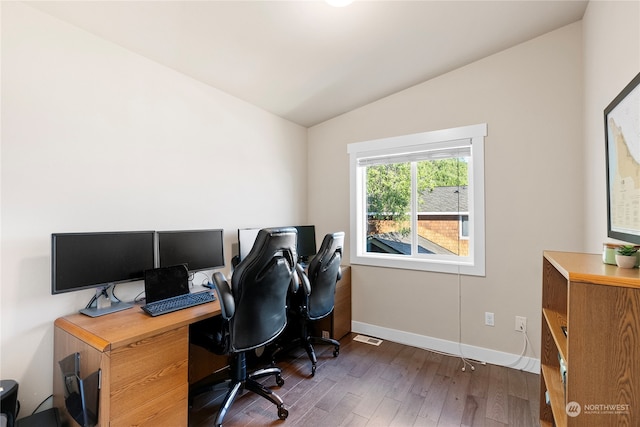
(626, 256)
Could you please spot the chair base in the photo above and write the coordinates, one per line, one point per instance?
(236, 387)
(238, 380)
(307, 344)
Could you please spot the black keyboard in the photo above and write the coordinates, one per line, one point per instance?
(177, 303)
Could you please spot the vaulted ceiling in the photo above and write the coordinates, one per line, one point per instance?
(307, 61)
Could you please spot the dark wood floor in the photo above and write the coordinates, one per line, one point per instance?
(387, 385)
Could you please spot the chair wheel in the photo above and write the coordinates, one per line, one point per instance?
(336, 352)
(282, 413)
(313, 370)
(279, 380)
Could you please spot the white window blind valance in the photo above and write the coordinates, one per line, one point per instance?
(456, 150)
(416, 147)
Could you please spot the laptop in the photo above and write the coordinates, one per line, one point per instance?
(165, 282)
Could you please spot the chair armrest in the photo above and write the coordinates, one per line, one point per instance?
(304, 280)
(235, 261)
(227, 303)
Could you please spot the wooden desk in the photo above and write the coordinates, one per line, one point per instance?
(144, 362)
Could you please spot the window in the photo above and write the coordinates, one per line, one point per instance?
(417, 201)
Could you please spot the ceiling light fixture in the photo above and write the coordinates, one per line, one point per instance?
(339, 3)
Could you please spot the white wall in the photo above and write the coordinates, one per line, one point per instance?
(611, 60)
(96, 138)
(531, 98)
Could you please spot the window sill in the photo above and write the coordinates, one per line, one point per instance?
(436, 266)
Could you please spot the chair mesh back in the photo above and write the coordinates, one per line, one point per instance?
(323, 275)
(260, 285)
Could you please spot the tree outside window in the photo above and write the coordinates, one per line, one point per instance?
(441, 194)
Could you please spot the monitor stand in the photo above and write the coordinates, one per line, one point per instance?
(101, 303)
(114, 307)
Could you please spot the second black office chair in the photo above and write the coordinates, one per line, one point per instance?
(254, 313)
(315, 298)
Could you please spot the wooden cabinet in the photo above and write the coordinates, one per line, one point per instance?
(599, 305)
(338, 324)
(144, 363)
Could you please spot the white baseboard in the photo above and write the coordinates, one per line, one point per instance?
(480, 354)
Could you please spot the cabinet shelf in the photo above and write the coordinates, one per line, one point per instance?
(551, 376)
(556, 321)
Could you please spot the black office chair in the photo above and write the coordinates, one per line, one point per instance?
(10, 408)
(254, 313)
(315, 298)
(9, 405)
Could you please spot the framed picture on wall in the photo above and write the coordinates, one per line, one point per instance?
(622, 138)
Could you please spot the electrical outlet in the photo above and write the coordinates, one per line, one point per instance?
(325, 334)
(488, 318)
(521, 324)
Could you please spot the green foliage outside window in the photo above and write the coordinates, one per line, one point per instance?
(389, 185)
(389, 191)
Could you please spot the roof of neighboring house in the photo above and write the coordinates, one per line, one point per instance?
(399, 244)
(444, 199)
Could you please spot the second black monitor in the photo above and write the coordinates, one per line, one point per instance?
(197, 249)
(306, 242)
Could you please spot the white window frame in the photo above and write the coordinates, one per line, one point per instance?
(471, 136)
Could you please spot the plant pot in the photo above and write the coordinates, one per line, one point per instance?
(626, 261)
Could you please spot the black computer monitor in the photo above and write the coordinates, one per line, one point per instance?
(94, 260)
(197, 249)
(306, 245)
(246, 239)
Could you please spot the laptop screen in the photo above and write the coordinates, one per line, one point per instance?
(165, 282)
